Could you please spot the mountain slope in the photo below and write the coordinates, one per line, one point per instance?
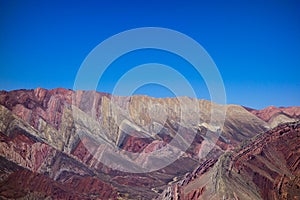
(265, 167)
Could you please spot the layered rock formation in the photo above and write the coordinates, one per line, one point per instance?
(264, 167)
(61, 144)
(275, 116)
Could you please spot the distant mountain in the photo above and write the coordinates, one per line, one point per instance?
(61, 144)
(275, 116)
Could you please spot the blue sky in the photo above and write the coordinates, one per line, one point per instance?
(255, 44)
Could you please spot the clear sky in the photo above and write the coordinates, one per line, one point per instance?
(255, 44)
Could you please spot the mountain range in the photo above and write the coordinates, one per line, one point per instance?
(65, 144)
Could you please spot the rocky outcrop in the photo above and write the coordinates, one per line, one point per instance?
(272, 162)
(264, 167)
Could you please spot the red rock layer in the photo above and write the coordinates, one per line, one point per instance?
(267, 113)
(45, 172)
(30, 105)
(265, 167)
(23, 182)
(272, 162)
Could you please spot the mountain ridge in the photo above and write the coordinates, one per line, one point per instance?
(144, 95)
